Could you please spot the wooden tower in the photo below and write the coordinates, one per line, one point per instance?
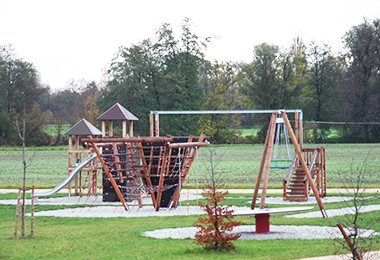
(83, 128)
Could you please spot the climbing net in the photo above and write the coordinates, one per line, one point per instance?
(137, 166)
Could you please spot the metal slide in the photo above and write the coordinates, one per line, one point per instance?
(72, 175)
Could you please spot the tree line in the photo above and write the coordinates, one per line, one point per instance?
(171, 73)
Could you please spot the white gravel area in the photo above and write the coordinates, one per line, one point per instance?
(311, 200)
(89, 200)
(276, 232)
(335, 212)
(119, 211)
(102, 209)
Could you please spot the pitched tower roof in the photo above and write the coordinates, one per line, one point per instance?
(83, 127)
(117, 112)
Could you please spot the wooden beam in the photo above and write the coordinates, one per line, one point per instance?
(262, 164)
(348, 240)
(147, 170)
(124, 128)
(301, 131)
(269, 157)
(117, 162)
(157, 119)
(110, 128)
(112, 180)
(162, 177)
(131, 128)
(76, 188)
(296, 130)
(129, 140)
(151, 126)
(303, 163)
(103, 128)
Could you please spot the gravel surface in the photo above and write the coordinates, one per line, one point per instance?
(100, 209)
(311, 200)
(88, 200)
(248, 232)
(335, 212)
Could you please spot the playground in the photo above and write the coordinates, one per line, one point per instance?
(145, 193)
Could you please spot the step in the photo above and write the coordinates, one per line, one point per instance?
(296, 198)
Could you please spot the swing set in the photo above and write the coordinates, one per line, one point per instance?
(281, 143)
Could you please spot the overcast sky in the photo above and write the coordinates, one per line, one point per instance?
(77, 39)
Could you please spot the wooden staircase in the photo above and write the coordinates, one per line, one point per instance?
(295, 184)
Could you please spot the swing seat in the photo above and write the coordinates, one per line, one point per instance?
(280, 160)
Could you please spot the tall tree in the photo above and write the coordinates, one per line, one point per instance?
(361, 96)
(220, 86)
(161, 75)
(261, 79)
(19, 79)
(292, 70)
(136, 82)
(324, 71)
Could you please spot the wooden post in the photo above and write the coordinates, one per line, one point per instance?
(269, 157)
(301, 131)
(324, 179)
(157, 119)
(296, 130)
(70, 160)
(76, 190)
(113, 182)
(103, 128)
(117, 162)
(131, 128)
(257, 187)
(348, 240)
(23, 212)
(151, 124)
(303, 163)
(32, 214)
(17, 211)
(162, 176)
(146, 169)
(124, 128)
(110, 128)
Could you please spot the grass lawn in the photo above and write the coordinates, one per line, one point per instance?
(101, 238)
(53, 129)
(237, 165)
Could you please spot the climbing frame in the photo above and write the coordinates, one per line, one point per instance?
(134, 166)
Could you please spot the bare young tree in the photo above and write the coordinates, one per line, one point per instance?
(19, 120)
(356, 183)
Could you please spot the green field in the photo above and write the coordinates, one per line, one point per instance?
(237, 164)
(53, 129)
(99, 238)
(111, 238)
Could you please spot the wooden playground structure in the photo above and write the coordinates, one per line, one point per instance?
(296, 184)
(307, 165)
(304, 171)
(145, 165)
(82, 129)
(134, 166)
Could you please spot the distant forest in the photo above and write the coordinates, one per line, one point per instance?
(170, 72)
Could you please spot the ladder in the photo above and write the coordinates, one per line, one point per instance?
(295, 184)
